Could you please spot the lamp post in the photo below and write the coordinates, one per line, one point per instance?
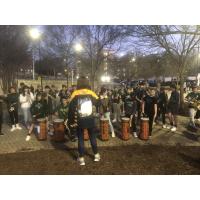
(35, 35)
(78, 48)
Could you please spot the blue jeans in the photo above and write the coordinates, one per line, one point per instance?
(93, 141)
(27, 115)
(107, 116)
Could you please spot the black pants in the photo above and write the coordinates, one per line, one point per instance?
(150, 116)
(139, 108)
(93, 141)
(163, 111)
(133, 122)
(14, 117)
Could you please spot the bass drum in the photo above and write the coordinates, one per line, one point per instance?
(42, 129)
(104, 129)
(125, 128)
(144, 129)
(59, 130)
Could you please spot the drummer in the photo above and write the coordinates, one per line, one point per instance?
(131, 109)
(149, 107)
(62, 112)
(38, 110)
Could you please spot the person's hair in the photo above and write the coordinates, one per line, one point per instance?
(103, 90)
(38, 94)
(47, 87)
(83, 83)
(11, 88)
(23, 91)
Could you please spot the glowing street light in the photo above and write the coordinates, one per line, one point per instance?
(78, 47)
(133, 59)
(34, 33)
(105, 78)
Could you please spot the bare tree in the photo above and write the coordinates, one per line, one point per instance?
(14, 53)
(96, 41)
(58, 42)
(177, 41)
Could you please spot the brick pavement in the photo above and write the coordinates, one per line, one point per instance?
(13, 142)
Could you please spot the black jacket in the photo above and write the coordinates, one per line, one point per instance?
(74, 118)
(12, 100)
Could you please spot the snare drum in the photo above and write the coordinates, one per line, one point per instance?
(59, 130)
(144, 129)
(104, 129)
(42, 129)
(125, 128)
(85, 134)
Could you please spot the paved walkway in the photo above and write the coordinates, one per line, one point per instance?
(15, 141)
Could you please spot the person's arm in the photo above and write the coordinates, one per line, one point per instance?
(155, 111)
(143, 105)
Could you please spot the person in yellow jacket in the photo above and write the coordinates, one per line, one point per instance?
(81, 116)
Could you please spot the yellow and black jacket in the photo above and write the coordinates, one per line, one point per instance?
(75, 119)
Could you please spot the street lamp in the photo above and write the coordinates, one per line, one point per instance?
(105, 78)
(133, 59)
(78, 47)
(35, 35)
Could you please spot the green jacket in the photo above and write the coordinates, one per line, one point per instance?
(39, 109)
(62, 111)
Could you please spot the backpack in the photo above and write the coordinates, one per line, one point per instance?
(84, 106)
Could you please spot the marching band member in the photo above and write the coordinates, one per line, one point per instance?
(131, 109)
(63, 92)
(81, 116)
(193, 98)
(38, 110)
(116, 99)
(62, 112)
(26, 98)
(49, 97)
(173, 107)
(140, 94)
(162, 105)
(104, 107)
(12, 102)
(149, 108)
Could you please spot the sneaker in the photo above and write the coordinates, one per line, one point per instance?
(113, 134)
(173, 129)
(18, 127)
(164, 126)
(28, 137)
(13, 129)
(135, 134)
(168, 127)
(114, 120)
(97, 157)
(81, 161)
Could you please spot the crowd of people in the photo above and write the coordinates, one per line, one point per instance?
(79, 105)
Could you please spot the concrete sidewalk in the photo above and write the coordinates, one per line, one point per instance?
(13, 142)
